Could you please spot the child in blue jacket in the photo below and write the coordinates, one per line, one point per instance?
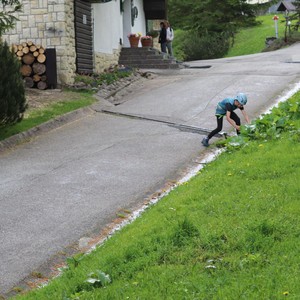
(226, 108)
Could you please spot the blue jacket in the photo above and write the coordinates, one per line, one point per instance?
(226, 105)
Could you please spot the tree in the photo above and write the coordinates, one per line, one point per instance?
(296, 15)
(212, 21)
(7, 10)
(211, 15)
(12, 92)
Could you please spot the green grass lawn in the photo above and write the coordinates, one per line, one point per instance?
(38, 116)
(252, 40)
(248, 40)
(232, 232)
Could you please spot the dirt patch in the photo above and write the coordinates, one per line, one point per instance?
(38, 99)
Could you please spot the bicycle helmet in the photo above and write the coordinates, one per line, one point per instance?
(242, 98)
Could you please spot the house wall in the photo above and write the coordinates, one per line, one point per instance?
(50, 24)
(139, 23)
(108, 31)
(111, 27)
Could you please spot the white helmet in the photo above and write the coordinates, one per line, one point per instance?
(242, 98)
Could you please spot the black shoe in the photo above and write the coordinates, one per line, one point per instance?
(205, 142)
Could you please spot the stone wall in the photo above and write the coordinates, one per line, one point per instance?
(49, 23)
(104, 60)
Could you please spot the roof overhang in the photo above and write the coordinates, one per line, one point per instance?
(97, 1)
(286, 5)
(155, 9)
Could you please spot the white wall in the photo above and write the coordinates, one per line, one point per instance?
(111, 25)
(139, 22)
(107, 26)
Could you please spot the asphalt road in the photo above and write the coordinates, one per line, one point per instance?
(70, 182)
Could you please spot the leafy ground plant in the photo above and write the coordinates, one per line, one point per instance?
(107, 77)
(283, 118)
(232, 232)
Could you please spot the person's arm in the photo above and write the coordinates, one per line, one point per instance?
(172, 34)
(160, 35)
(246, 116)
(168, 34)
(230, 121)
(164, 34)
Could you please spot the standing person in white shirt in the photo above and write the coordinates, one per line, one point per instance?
(170, 37)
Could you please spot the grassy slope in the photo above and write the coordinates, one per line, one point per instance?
(252, 40)
(39, 116)
(232, 232)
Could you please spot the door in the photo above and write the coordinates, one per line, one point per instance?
(83, 37)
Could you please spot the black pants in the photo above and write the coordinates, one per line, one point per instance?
(233, 116)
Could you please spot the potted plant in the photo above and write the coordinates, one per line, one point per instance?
(147, 41)
(134, 39)
(153, 33)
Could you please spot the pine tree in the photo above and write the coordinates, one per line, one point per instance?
(296, 15)
(12, 91)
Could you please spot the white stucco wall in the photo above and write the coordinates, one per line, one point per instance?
(107, 26)
(139, 22)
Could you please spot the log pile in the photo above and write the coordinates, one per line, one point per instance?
(33, 67)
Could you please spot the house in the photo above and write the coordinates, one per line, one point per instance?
(282, 6)
(86, 34)
(286, 5)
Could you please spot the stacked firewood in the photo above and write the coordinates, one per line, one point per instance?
(33, 67)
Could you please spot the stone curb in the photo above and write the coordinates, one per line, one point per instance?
(34, 132)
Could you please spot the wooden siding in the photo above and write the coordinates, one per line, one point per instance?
(84, 37)
(155, 9)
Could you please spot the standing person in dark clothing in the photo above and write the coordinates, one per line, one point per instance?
(226, 108)
(163, 37)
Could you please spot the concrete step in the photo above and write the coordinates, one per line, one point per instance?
(147, 61)
(147, 58)
(146, 55)
(155, 66)
(139, 50)
(144, 59)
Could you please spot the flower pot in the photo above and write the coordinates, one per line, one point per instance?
(134, 41)
(147, 43)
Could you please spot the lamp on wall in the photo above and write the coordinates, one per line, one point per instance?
(122, 5)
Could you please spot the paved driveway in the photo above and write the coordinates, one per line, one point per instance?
(71, 182)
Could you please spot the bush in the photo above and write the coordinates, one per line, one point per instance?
(12, 92)
(213, 45)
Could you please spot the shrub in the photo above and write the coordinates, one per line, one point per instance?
(12, 92)
(213, 45)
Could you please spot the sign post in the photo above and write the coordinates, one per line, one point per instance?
(276, 18)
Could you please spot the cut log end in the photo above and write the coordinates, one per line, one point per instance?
(42, 85)
(20, 53)
(32, 48)
(41, 58)
(36, 78)
(26, 70)
(25, 50)
(28, 58)
(29, 82)
(32, 64)
(39, 68)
